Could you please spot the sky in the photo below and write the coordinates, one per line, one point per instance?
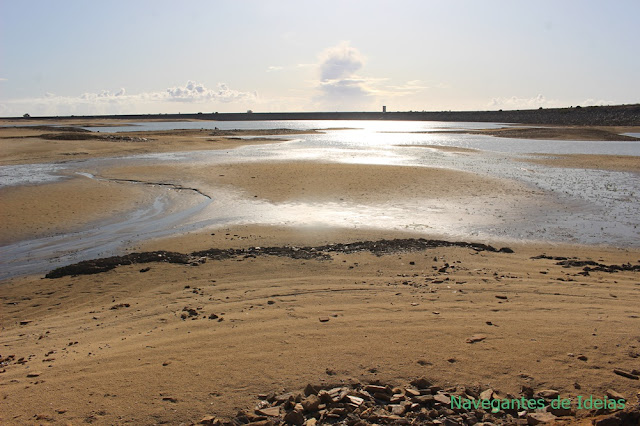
(68, 57)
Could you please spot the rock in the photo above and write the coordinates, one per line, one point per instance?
(375, 388)
(310, 390)
(323, 319)
(540, 417)
(442, 398)
(582, 358)
(608, 421)
(476, 338)
(626, 374)
(527, 391)
(398, 409)
(501, 297)
(311, 422)
(120, 305)
(611, 394)
(170, 399)
(25, 322)
(411, 392)
(207, 420)
(423, 399)
(487, 394)
(325, 397)
(190, 311)
(382, 396)
(311, 403)
(355, 400)
(548, 393)
(294, 418)
(269, 411)
(421, 383)
(33, 374)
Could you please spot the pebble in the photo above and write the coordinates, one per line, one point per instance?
(614, 395)
(549, 393)
(540, 417)
(270, 412)
(626, 374)
(418, 403)
(486, 394)
(476, 338)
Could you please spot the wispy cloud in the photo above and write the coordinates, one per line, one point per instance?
(409, 88)
(4, 79)
(273, 68)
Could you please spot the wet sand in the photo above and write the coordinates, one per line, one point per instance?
(621, 163)
(42, 210)
(24, 146)
(327, 182)
(114, 347)
(577, 133)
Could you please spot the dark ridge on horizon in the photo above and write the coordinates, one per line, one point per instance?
(615, 115)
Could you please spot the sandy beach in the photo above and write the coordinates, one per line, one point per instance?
(175, 342)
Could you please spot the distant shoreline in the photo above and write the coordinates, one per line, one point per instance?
(618, 115)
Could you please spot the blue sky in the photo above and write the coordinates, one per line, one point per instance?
(116, 57)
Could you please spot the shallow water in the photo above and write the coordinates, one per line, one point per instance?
(40, 255)
(577, 206)
(390, 126)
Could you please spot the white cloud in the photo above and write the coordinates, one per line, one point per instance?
(340, 86)
(120, 102)
(340, 61)
(515, 102)
(599, 102)
(4, 79)
(196, 92)
(274, 68)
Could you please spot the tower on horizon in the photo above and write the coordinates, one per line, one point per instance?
(384, 108)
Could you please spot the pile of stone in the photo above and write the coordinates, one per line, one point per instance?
(378, 248)
(420, 403)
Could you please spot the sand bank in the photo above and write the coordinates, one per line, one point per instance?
(25, 146)
(326, 182)
(43, 210)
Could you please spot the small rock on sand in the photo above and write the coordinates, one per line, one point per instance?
(476, 338)
(549, 393)
(270, 411)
